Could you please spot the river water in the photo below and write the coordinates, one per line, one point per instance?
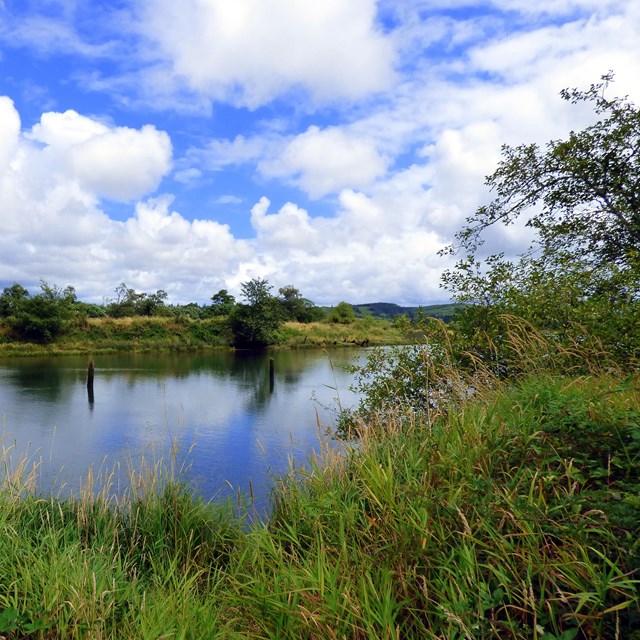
(218, 417)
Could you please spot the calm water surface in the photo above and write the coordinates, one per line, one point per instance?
(230, 425)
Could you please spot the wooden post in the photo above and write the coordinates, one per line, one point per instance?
(90, 372)
(272, 375)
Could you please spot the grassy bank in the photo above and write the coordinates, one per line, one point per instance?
(111, 335)
(516, 516)
(362, 331)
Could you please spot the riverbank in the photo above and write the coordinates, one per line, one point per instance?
(93, 336)
(516, 516)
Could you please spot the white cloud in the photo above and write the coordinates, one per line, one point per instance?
(582, 49)
(318, 161)
(220, 153)
(9, 131)
(247, 52)
(123, 163)
(325, 161)
(556, 7)
(228, 199)
(52, 225)
(363, 254)
(118, 162)
(188, 176)
(290, 228)
(516, 7)
(174, 249)
(50, 35)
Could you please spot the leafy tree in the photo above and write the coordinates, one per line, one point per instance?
(42, 317)
(402, 322)
(66, 296)
(342, 313)
(190, 310)
(124, 304)
(296, 307)
(581, 195)
(254, 324)
(256, 291)
(11, 299)
(90, 310)
(149, 304)
(129, 302)
(223, 303)
(582, 275)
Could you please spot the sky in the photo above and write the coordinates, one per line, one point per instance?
(336, 146)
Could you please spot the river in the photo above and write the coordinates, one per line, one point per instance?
(219, 418)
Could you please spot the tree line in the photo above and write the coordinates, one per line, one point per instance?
(252, 321)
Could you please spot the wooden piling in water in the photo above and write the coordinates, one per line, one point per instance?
(272, 374)
(90, 373)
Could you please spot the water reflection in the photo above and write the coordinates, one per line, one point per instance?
(38, 377)
(231, 420)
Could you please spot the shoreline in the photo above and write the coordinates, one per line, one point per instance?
(158, 335)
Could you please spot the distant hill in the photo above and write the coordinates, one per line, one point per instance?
(390, 310)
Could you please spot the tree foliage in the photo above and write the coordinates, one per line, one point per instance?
(582, 194)
(129, 302)
(582, 274)
(296, 307)
(342, 313)
(40, 317)
(254, 324)
(222, 303)
(11, 299)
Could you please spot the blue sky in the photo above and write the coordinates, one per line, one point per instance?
(336, 145)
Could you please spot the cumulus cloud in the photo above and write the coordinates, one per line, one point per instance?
(52, 224)
(114, 162)
(248, 52)
(361, 254)
(290, 228)
(388, 178)
(123, 164)
(318, 161)
(171, 248)
(325, 161)
(9, 131)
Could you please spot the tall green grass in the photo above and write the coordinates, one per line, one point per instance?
(477, 526)
(513, 513)
(140, 565)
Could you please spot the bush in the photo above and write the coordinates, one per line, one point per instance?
(342, 313)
